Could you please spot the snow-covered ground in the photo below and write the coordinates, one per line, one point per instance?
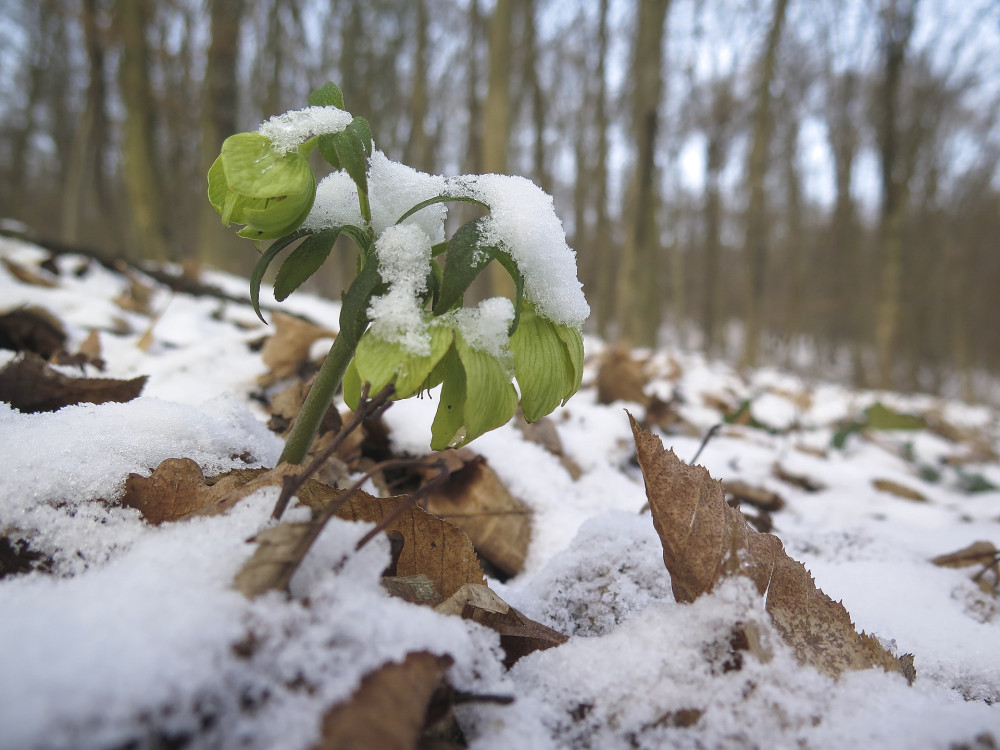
(132, 635)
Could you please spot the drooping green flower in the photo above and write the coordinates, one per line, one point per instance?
(255, 184)
(548, 362)
(477, 394)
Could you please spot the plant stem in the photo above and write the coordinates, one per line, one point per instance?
(319, 398)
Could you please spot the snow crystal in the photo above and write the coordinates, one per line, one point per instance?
(523, 222)
(404, 252)
(336, 204)
(395, 188)
(290, 130)
(485, 326)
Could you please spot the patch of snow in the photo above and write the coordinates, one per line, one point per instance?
(290, 130)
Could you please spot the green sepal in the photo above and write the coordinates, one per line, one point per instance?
(304, 261)
(449, 419)
(466, 258)
(573, 341)
(276, 217)
(327, 95)
(254, 169)
(380, 362)
(257, 275)
(542, 365)
(352, 386)
(491, 399)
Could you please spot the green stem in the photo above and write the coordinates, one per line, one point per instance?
(319, 398)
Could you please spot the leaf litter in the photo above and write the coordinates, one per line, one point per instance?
(701, 656)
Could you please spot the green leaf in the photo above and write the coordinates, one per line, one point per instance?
(449, 419)
(352, 156)
(360, 127)
(257, 275)
(466, 258)
(542, 365)
(327, 95)
(880, 417)
(328, 150)
(356, 300)
(303, 262)
(491, 399)
(254, 169)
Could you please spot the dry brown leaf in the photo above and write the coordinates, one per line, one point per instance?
(802, 481)
(977, 553)
(704, 540)
(139, 295)
(390, 708)
(88, 354)
(621, 378)
(27, 276)
(753, 495)
(32, 329)
(474, 499)
(899, 490)
(176, 489)
(30, 385)
(519, 635)
(417, 589)
(285, 351)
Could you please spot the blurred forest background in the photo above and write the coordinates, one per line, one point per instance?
(812, 183)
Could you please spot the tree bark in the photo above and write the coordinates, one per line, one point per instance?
(638, 298)
(141, 172)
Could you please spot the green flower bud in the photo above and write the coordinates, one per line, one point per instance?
(548, 362)
(252, 183)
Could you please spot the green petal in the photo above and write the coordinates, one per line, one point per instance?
(448, 427)
(218, 188)
(253, 168)
(542, 365)
(381, 362)
(352, 386)
(276, 217)
(573, 341)
(491, 399)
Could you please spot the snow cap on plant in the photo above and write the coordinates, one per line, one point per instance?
(403, 321)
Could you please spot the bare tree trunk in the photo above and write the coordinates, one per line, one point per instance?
(418, 147)
(218, 114)
(756, 237)
(638, 298)
(496, 130)
(604, 249)
(533, 85)
(148, 231)
(896, 22)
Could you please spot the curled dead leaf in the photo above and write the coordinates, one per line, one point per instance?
(621, 378)
(519, 635)
(30, 385)
(391, 707)
(977, 553)
(754, 495)
(476, 500)
(899, 490)
(704, 539)
(32, 329)
(176, 489)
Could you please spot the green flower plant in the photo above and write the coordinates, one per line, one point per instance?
(402, 320)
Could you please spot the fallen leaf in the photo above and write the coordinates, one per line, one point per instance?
(977, 553)
(285, 351)
(431, 546)
(621, 378)
(30, 385)
(899, 490)
(138, 297)
(418, 589)
(27, 276)
(474, 499)
(31, 329)
(802, 481)
(519, 635)
(176, 489)
(753, 495)
(704, 540)
(390, 708)
(88, 354)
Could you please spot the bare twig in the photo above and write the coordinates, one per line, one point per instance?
(708, 436)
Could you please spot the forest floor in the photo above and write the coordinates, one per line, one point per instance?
(144, 606)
